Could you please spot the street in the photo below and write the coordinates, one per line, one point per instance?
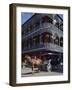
(27, 72)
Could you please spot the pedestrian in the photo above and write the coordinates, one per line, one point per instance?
(49, 65)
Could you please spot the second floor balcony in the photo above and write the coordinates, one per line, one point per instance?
(44, 46)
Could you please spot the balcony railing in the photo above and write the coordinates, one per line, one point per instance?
(41, 28)
(45, 46)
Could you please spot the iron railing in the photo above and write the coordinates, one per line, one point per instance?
(46, 46)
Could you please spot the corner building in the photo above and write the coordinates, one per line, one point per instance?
(42, 36)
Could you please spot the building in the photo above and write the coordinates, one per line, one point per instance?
(42, 36)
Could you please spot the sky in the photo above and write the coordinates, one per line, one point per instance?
(61, 15)
(25, 16)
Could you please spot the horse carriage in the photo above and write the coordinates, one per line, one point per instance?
(42, 65)
(38, 63)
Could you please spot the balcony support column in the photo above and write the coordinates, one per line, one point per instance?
(34, 27)
(40, 23)
(41, 39)
(59, 41)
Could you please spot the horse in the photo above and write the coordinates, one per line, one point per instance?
(34, 62)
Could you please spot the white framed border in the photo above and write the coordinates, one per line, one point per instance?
(63, 77)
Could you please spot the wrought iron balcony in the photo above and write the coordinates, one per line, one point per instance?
(45, 27)
(45, 46)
